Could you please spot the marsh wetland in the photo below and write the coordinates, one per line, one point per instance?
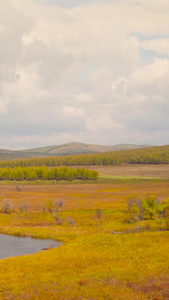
(93, 261)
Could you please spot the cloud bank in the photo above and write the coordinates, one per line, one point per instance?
(90, 71)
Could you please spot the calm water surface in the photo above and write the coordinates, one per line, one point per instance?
(14, 246)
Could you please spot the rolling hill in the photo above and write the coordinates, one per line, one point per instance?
(65, 149)
(80, 148)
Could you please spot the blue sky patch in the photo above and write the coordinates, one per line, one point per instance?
(87, 70)
(150, 55)
(70, 3)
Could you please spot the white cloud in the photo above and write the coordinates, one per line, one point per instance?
(151, 80)
(79, 73)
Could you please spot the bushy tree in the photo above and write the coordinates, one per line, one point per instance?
(165, 205)
(134, 213)
(150, 207)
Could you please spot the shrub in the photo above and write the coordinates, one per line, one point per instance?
(6, 207)
(98, 214)
(48, 205)
(23, 207)
(58, 204)
(18, 188)
(72, 222)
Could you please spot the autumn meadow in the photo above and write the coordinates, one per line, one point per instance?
(114, 231)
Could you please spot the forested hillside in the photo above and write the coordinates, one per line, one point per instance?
(65, 149)
(153, 155)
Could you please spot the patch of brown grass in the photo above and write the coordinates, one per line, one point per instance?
(160, 171)
(155, 288)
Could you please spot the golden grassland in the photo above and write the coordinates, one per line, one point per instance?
(100, 257)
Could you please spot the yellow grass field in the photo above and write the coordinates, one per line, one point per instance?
(101, 256)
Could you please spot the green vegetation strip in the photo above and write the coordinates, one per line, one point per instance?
(130, 179)
(102, 179)
(43, 173)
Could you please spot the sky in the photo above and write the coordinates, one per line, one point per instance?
(90, 71)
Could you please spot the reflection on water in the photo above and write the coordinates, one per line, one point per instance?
(14, 246)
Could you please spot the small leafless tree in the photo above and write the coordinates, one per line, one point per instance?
(134, 200)
(23, 207)
(98, 217)
(72, 222)
(98, 214)
(6, 207)
(18, 188)
(55, 209)
(58, 204)
(58, 220)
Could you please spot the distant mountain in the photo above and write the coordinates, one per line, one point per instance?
(13, 154)
(80, 148)
(65, 149)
